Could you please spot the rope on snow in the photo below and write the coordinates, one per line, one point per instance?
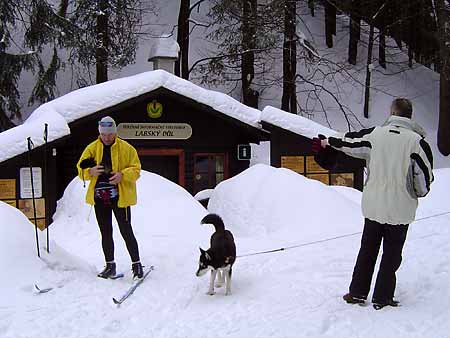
(327, 239)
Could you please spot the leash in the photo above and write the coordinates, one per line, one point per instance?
(325, 240)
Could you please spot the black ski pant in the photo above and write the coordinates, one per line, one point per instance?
(393, 237)
(103, 212)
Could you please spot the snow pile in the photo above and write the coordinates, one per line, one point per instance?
(296, 123)
(18, 253)
(437, 199)
(164, 210)
(204, 194)
(14, 141)
(278, 202)
(164, 47)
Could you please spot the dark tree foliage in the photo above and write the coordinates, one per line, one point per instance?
(100, 33)
(12, 63)
(104, 33)
(243, 31)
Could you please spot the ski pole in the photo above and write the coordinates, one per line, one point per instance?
(30, 147)
(46, 185)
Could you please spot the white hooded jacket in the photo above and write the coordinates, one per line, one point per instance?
(400, 168)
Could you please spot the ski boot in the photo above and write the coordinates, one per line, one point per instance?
(379, 305)
(109, 271)
(138, 272)
(350, 299)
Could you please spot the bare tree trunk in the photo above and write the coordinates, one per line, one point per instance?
(355, 31)
(330, 23)
(368, 72)
(182, 64)
(293, 107)
(311, 6)
(382, 50)
(102, 42)
(443, 137)
(289, 97)
(382, 38)
(249, 96)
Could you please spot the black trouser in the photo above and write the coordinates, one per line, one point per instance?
(103, 212)
(393, 237)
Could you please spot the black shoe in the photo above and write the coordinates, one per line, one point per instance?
(138, 272)
(379, 305)
(350, 299)
(109, 271)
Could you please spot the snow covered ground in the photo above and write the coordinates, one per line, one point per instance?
(294, 293)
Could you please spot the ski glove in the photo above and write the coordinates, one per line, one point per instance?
(317, 143)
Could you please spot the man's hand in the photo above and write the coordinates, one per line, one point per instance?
(318, 143)
(96, 171)
(115, 178)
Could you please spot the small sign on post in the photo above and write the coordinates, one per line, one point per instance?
(25, 183)
(244, 152)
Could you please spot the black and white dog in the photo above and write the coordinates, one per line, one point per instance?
(220, 257)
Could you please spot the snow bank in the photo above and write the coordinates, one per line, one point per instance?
(17, 249)
(164, 210)
(278, 202)
(295, 123)
(436, 201)
(204, 194)
(14, 141)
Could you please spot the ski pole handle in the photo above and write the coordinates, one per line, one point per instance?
(30, 143)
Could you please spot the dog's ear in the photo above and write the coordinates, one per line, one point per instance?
(202, 251)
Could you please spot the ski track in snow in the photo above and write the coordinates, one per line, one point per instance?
(295, 293)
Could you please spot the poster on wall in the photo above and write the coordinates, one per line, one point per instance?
(295, 163)
(313, 167)
(324, 178)
(26, 206)
(346, 180)
(7, 189)
(25, 182)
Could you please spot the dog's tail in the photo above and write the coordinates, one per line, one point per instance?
(214, 220)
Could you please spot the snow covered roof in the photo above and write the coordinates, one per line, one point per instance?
(164, 48)
(83, 102)
(86, 101)
(14, 141)
(295, 123)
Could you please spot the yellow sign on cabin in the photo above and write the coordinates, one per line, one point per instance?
(154, 109)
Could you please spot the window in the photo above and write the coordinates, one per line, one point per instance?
(209, 170)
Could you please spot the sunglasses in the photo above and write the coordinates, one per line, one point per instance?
(106, 124)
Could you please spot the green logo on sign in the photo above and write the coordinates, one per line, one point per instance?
(154, 109)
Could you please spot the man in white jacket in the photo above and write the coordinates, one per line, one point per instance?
(400, 164)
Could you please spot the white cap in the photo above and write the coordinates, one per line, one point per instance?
(107, 125)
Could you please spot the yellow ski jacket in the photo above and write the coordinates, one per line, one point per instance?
(124, 159)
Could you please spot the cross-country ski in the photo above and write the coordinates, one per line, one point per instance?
(133, 287)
